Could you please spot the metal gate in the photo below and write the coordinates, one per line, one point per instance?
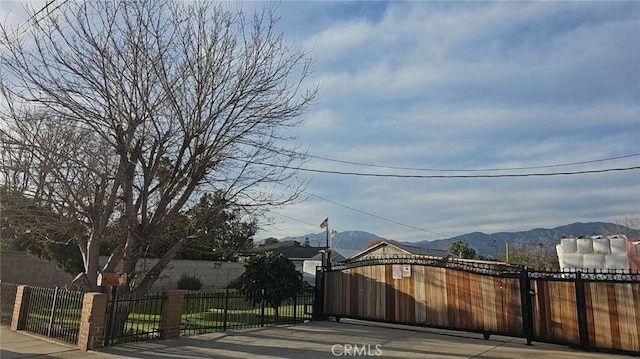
(133, 318)
(592, 310)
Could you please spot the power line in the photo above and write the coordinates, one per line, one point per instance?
(362, 212)
(377, 216)
(277, 228)
(446, 169)
(361, 174)
(294, 219)
(18, 32)
(476, 169)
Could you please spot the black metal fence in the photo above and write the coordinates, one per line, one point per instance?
(207, 312)
(54, 312)
(133, 318)
(7, 301)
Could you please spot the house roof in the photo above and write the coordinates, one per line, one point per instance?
(423, 251)
(290, 249)
(335, 257)
(408, 250)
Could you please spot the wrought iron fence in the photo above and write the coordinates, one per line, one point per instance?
(134, 318)
(7, 301)
(599, 275)
(207, 312)
(54, 312)
(486, 267)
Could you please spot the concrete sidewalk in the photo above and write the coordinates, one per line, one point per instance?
(314, 340)
(24, 345)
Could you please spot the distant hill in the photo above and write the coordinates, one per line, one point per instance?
(490, 244)
(349, 243)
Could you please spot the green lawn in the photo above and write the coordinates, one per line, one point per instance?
(205, 312)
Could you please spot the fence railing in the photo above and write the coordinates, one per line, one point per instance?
(7, 301)
(133, 318)
(55, 313)
(77, 318)
(207, 312)
(596, 309)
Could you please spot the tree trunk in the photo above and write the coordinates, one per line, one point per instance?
(93, 259)
(154, 273)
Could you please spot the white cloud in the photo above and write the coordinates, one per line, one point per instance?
(453, 85)
(339, 39)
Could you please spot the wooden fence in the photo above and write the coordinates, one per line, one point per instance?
(591, 311)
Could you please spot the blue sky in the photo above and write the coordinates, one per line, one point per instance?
(461, 85)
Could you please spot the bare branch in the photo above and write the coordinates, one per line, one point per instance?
(129, 109)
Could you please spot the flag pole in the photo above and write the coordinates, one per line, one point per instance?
(327, 228)
(328, 244)
(325, 224)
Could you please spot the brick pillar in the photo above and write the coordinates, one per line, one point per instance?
(20, 308)
(92, 321)
(172, 315)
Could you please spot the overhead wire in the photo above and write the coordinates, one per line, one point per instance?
(476, 169)
(296, 153)
(294, 219)
(19, 31)
(377, 216)
(446, 176)
(279, 229)
(363, 212)
(361, 174)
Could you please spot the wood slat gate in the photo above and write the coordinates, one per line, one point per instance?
(598, 310)
(442, 297)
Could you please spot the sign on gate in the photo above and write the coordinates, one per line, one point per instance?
(397, 271)
(406, 270)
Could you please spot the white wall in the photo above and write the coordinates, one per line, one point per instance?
(21, 268)
(213, 275)
(309, 271)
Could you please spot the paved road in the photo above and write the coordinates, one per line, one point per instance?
(307, 341)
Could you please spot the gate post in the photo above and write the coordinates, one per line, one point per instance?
(226, 310)
(94, 307)
(527, 305)
(295, 306)
(581, 307)
(20, 308)
(318, 300)
(171, 318)
(262, 309)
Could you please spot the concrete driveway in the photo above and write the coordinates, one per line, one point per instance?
(325, 340)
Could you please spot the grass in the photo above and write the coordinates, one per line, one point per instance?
(196, 304)
(143, 326)
(202, 313)
(214, 320)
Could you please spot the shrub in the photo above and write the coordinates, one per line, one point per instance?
(189, 282)
(272, 278)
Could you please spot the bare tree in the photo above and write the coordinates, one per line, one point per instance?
(628, 225)
(132, 108)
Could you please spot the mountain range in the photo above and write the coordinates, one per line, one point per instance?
(349, 243)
